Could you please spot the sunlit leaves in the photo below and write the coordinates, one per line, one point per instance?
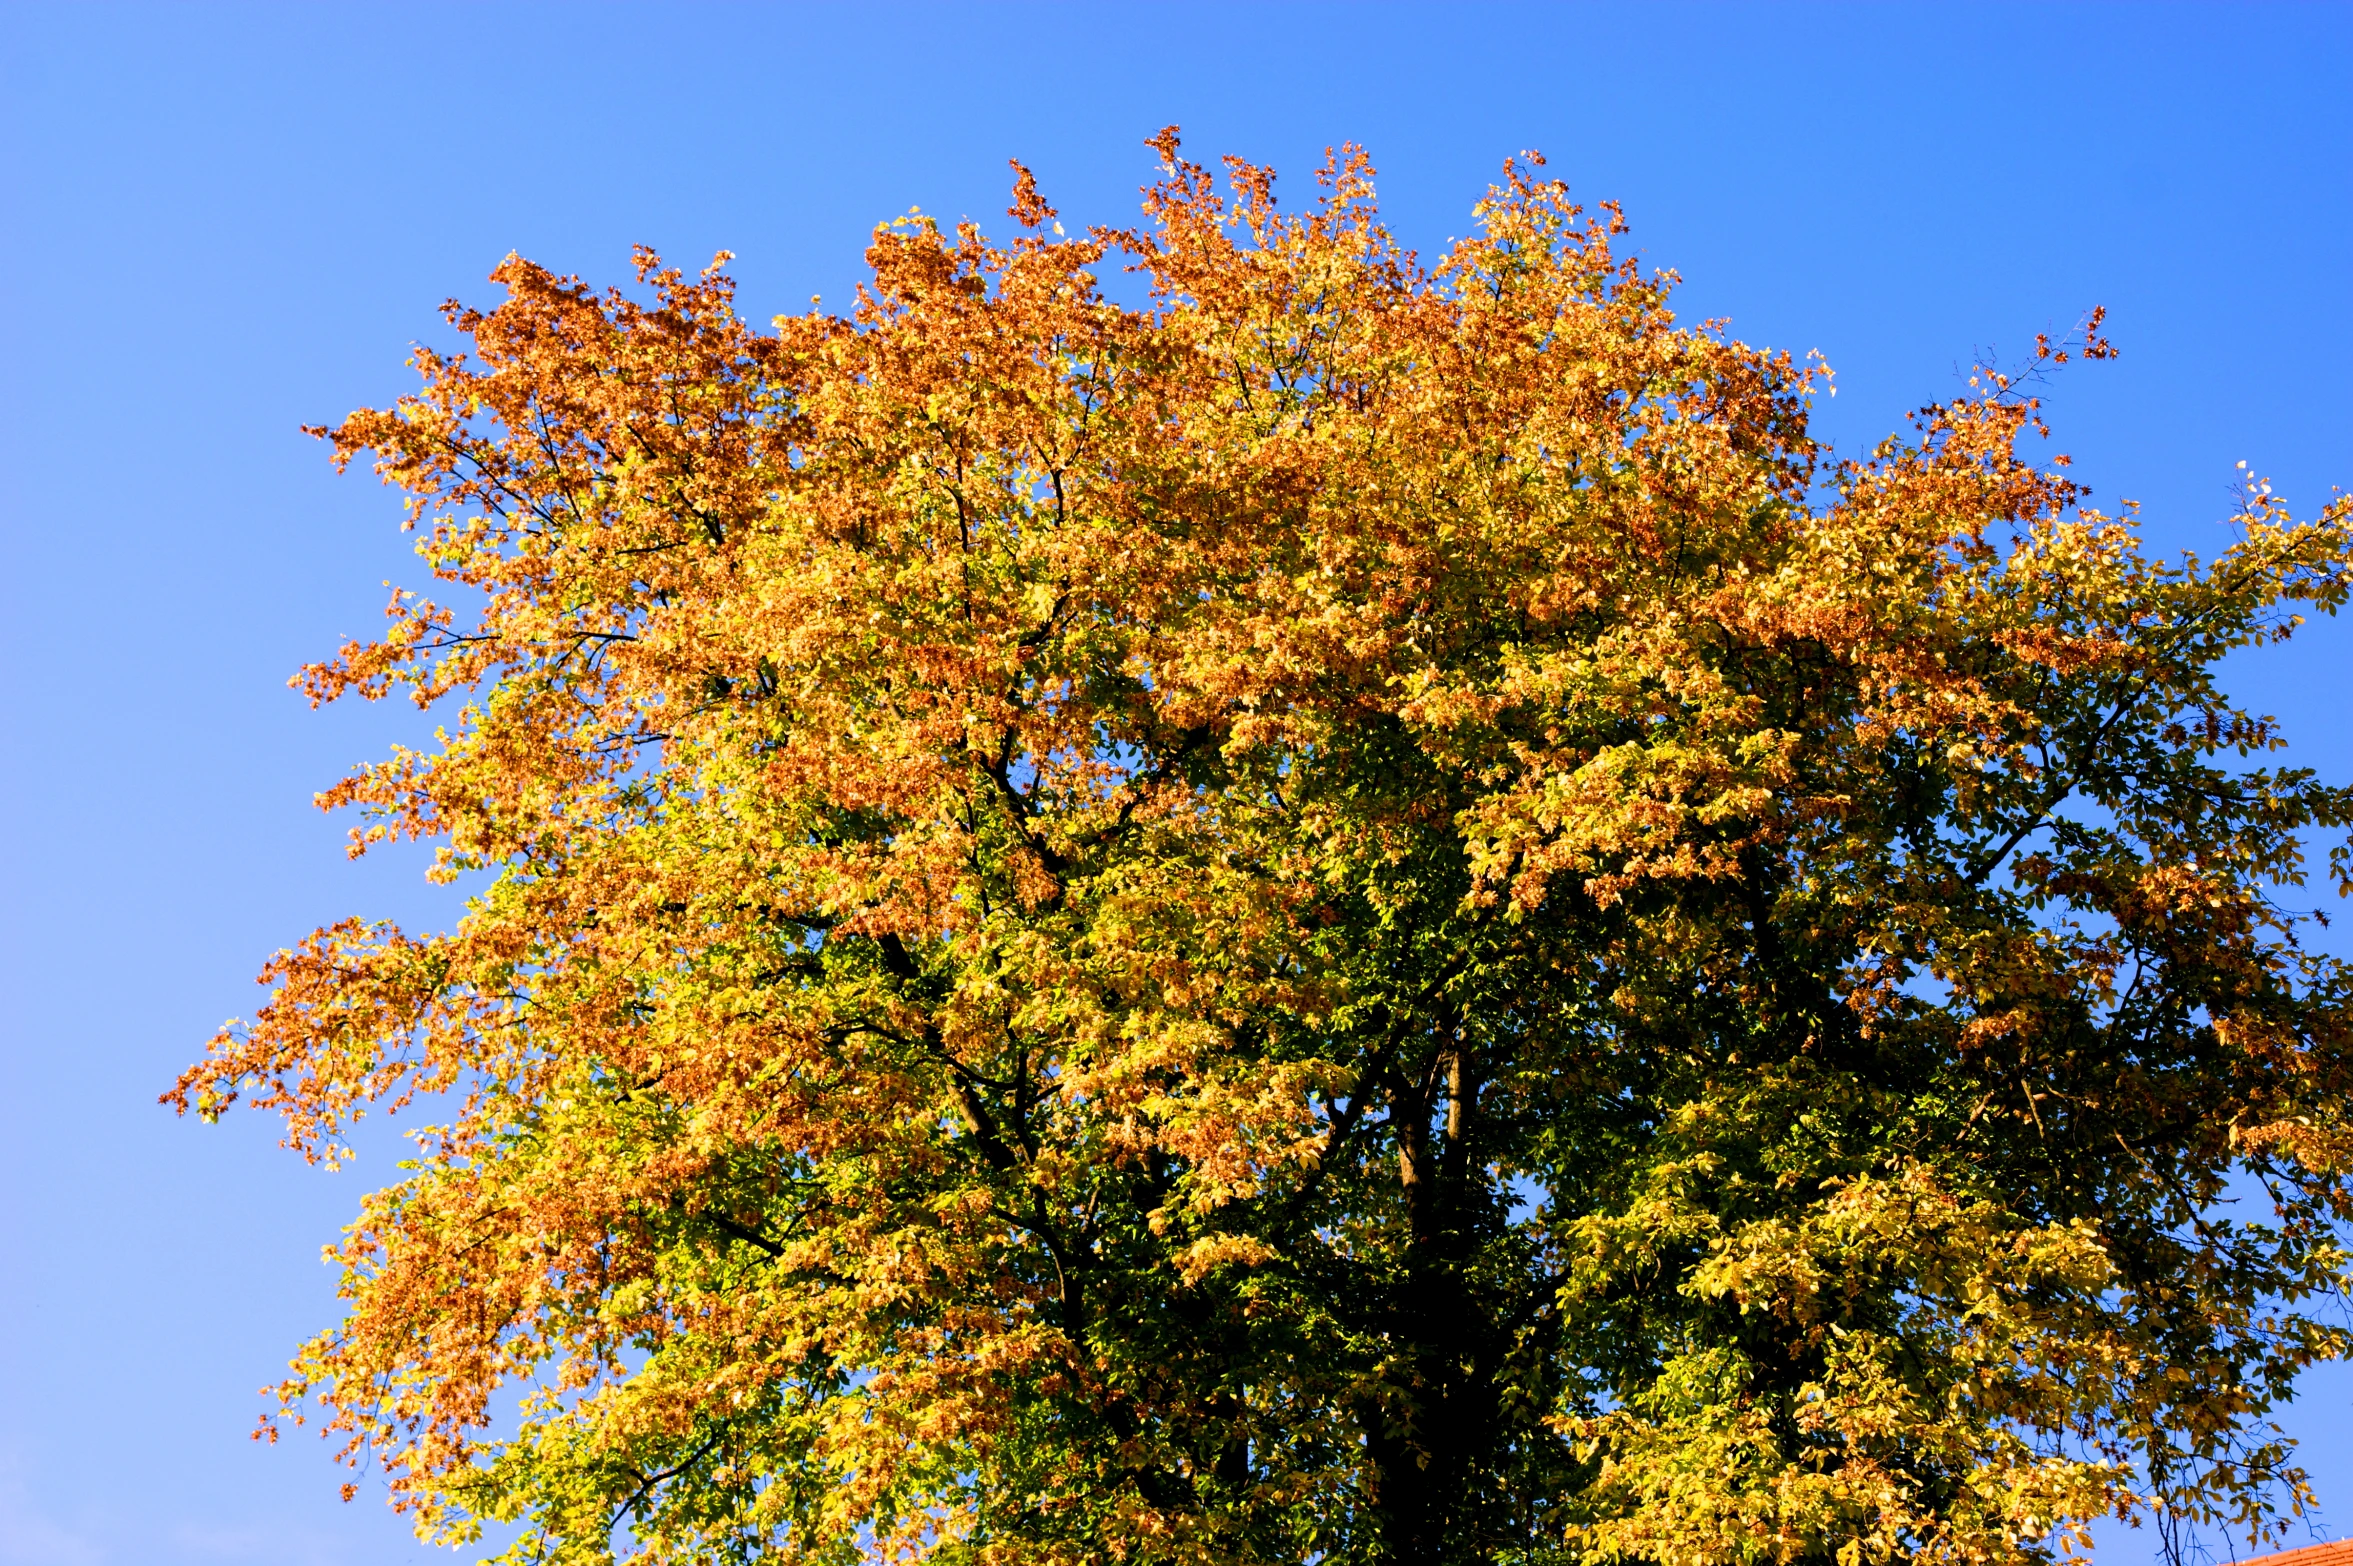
(1362, 913)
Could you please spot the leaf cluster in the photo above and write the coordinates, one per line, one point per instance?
(1364, 912)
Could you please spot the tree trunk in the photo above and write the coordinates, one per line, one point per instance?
(1421, 1440)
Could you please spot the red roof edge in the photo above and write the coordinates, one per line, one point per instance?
(2337, 1554)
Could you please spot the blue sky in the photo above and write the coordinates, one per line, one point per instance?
(222, 223)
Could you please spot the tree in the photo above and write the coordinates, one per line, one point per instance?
(1357, 913)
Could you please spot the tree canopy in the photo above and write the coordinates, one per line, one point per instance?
(1352, 911)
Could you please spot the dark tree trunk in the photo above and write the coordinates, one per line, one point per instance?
(1422, 1441)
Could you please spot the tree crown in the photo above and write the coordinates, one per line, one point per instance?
(1359, 912)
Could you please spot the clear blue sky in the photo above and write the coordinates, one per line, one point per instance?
(221, 223)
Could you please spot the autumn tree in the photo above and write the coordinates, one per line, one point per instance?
(1350, 912)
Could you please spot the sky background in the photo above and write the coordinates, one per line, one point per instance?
(222, 223)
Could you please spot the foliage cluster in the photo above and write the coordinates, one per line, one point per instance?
(1364, 912)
